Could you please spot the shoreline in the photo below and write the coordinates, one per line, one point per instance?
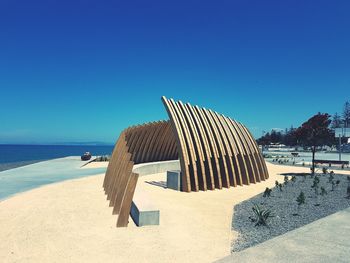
(13, 165)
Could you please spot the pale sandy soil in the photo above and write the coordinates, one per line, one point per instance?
(95, 165)
(71, 222)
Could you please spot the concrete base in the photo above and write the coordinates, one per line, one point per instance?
(143, 211)
(144, 217)
(173, 180)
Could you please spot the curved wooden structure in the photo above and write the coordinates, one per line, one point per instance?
(138, 144)
(215, 151)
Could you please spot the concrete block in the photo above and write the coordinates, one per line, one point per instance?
(173, 180)
(143, 211)
(144, 217)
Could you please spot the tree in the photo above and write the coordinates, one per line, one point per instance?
(346, 114)
(287, 137)
(290, 138)
(337, 121)
(315, 132)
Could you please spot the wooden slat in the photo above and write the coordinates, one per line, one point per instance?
(213, 147)
(240, 156)
(182, 148)
(227, 150)
(205, 145)
(251, 153)
(247, 159)
(190, 148)
(235, 151)
(219, 145)
(123, 214)
(228, 144)
(259, 155)
(202, 182)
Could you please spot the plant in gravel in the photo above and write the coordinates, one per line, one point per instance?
(280, 186)
(267, 192)
(300, 200)
(324, 170)
(261, 215)
(337, 182)
(303, 164)
(276, 183)
(331, 177)
(315, 184)
(294, 178)
(323, 191)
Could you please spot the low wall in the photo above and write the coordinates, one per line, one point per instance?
(156, 167)
(142, 211)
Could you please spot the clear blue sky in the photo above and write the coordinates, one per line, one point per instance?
(84, 70)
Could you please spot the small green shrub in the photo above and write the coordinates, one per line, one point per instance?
(267, 192)
(324, 170)
(280, 186)
(323, 191)
(294, 178)
(315, 184)
(261, 215)
(301, 199)
(316, 181)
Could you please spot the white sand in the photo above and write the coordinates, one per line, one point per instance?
(71, 222)
(95, 165)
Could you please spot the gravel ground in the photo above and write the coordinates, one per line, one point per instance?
(284, 206)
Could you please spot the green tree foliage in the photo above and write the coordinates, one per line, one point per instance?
(315, 132)
(286, 137)
(336, 121)
(346, 114)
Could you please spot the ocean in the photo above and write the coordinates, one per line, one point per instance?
(12, 156)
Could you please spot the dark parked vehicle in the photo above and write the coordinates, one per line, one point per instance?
(86, 156)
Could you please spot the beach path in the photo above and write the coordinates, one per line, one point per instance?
(31, 176)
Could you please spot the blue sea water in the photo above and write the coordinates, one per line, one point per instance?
(12, 156)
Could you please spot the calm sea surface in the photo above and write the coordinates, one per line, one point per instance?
(12, 156)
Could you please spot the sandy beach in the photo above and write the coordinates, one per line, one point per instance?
(72, 222)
